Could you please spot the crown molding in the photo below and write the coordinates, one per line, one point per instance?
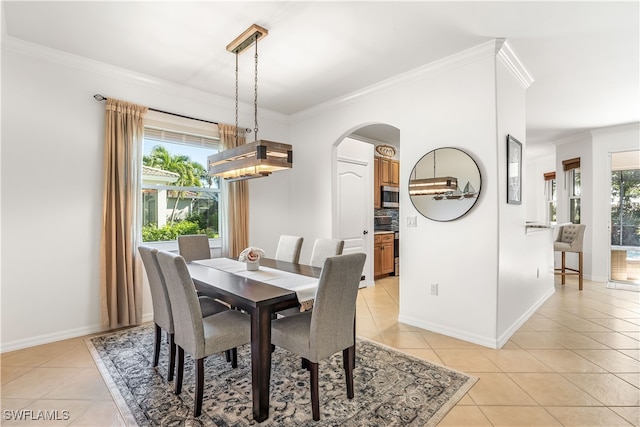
(507, 55)
(484, 50)
(36, 51)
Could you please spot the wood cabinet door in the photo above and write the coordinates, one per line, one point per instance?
(376, 182)
(395, 172)
(388, 263)
(385, 171)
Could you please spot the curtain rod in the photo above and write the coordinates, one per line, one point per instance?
(99, 97)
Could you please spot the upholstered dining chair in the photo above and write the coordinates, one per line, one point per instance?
(570, 239)
(330, 327)
(194, 246)
(162, 315)
(289, 249)
(324, 248)
(198, 336)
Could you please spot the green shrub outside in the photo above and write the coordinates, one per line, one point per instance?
(151, 233)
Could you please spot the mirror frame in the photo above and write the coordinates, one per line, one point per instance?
(464, 209)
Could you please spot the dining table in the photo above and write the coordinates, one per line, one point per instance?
(261, 297)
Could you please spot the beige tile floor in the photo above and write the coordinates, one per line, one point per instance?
(576, 362)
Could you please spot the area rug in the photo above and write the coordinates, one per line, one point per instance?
(391, 388)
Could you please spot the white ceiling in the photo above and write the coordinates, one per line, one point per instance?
(584, 56)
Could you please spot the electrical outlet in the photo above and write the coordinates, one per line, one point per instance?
(412, 221)
(434, 289)
(538, 273)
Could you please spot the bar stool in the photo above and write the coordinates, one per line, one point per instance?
(570, 239)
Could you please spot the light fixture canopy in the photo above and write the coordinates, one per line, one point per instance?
(259, 158)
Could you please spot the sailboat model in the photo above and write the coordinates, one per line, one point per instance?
(457, 194)
(469, 191)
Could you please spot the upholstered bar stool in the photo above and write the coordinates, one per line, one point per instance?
(570, 239)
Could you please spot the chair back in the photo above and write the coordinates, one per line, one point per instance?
(194, 246)
(323, 249)
(159, 295)
(289, 248)
(334, 308)
(187, 315)
(570, 238)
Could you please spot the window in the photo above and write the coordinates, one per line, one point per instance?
(572, 173)
(625, 207)
(178, 195)
(550, 194)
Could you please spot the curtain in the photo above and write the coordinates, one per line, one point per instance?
(120, 279)
(236, 200)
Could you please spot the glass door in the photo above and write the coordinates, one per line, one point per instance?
(625, 218)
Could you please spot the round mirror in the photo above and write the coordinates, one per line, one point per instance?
(445, 184)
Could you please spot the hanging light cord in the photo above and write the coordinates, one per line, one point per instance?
(434, 164)
(236, 130)
(255, 94)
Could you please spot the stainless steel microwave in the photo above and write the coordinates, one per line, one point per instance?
(390, 197)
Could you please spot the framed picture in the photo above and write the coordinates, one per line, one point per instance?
(514, 171)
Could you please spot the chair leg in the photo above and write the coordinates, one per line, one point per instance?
(180, 370)
(580, 270)
(156, 348)
(315, 401)
(234, 357)
(172, 357)
(563, 267)
(348, 356)
(197, 405)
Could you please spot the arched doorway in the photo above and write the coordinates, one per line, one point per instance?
(353, 188)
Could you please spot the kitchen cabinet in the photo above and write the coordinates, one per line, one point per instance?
(389, 172)
(383, 258)
(386, 172)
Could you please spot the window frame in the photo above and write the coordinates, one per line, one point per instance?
(197, 134)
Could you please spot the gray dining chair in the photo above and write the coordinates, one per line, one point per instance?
(198, 336)
(194, 246)
(289, 248)
(330, 327)
(162, 315)
(324, 248)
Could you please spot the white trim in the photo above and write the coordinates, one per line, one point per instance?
(34, 50)
(468, 56)
(451, 332)
(506, 335)
(509, 58)
(52, 337)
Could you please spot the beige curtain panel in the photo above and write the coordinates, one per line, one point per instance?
(120, 281)
(237, 199)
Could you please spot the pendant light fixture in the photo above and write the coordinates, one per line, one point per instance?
(255, 159)
(437, 186)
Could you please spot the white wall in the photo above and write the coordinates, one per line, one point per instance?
(448, 104)
(605, 141)
(52, 151)
(525, 270)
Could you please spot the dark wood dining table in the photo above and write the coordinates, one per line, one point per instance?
(260, 300)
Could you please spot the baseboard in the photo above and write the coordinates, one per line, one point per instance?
(506, 335)
(59, 336)
(490, 342)
(450, 332)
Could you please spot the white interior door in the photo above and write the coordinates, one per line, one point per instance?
(354, 209)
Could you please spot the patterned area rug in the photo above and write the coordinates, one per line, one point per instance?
(391, 388)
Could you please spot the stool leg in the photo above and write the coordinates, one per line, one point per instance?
(563, 268)
(580, 270)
